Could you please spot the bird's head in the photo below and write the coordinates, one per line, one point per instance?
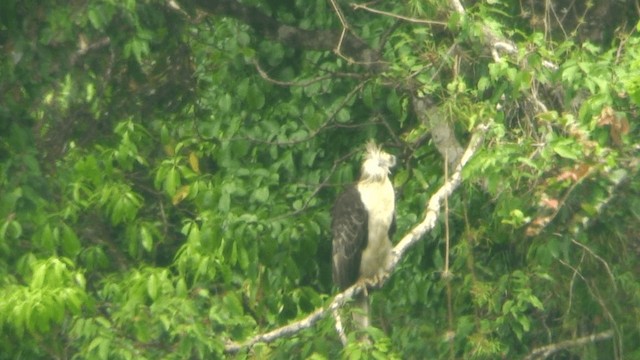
(377, 163)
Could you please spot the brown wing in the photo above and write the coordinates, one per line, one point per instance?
(349, 228)
(393, 227)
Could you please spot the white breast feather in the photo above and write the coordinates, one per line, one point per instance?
(379, 200)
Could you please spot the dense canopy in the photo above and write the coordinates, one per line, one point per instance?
(167, 169)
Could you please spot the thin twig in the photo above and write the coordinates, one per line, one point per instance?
(396, 16)
(609, 272)
(266, 76)
(593, 290)
(338, 11)
(576, 273)
(345, 28)
(175, 6)
(85, 48)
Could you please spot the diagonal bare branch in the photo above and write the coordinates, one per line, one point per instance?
(435, 202)
(433, 209)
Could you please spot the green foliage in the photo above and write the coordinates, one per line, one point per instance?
(166, 177)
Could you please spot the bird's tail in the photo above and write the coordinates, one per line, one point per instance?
(361, 311)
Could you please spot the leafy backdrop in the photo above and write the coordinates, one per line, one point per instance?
(167, 170)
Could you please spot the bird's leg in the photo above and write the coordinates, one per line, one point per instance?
(377, 280)
(372, 282)
(364, 284)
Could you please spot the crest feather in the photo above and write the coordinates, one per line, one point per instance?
(377, 163)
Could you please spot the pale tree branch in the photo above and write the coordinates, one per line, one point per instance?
(339, 327)
(345, 28)
(435, 202)
(544, 352)
(457, 6)
(299, 325)
(433, 209)
(496, 41)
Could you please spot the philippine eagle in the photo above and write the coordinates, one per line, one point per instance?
(363, 220)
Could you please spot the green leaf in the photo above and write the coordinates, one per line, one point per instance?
(10, 230)
(367, 96)
(256, 98)
(536, 302)
(194, 234)
(96, 17)
(566, 149)
(153, 287)
(145, 238)
(181, 288)
(343, 116)
(224, 203)
(232, 304)
(224, 102)
(524, 322)
(172, 181)
(243, 258)
(483, 83)
(103, 348)
(506, 307)
(394, 104)
(261, 194)
(70, 243)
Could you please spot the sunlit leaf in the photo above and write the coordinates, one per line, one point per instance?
(194, 162)
(180, 195)
(153, 286)
(70, 243)
(145, 238)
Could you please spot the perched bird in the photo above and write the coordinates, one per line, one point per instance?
(363, 220)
